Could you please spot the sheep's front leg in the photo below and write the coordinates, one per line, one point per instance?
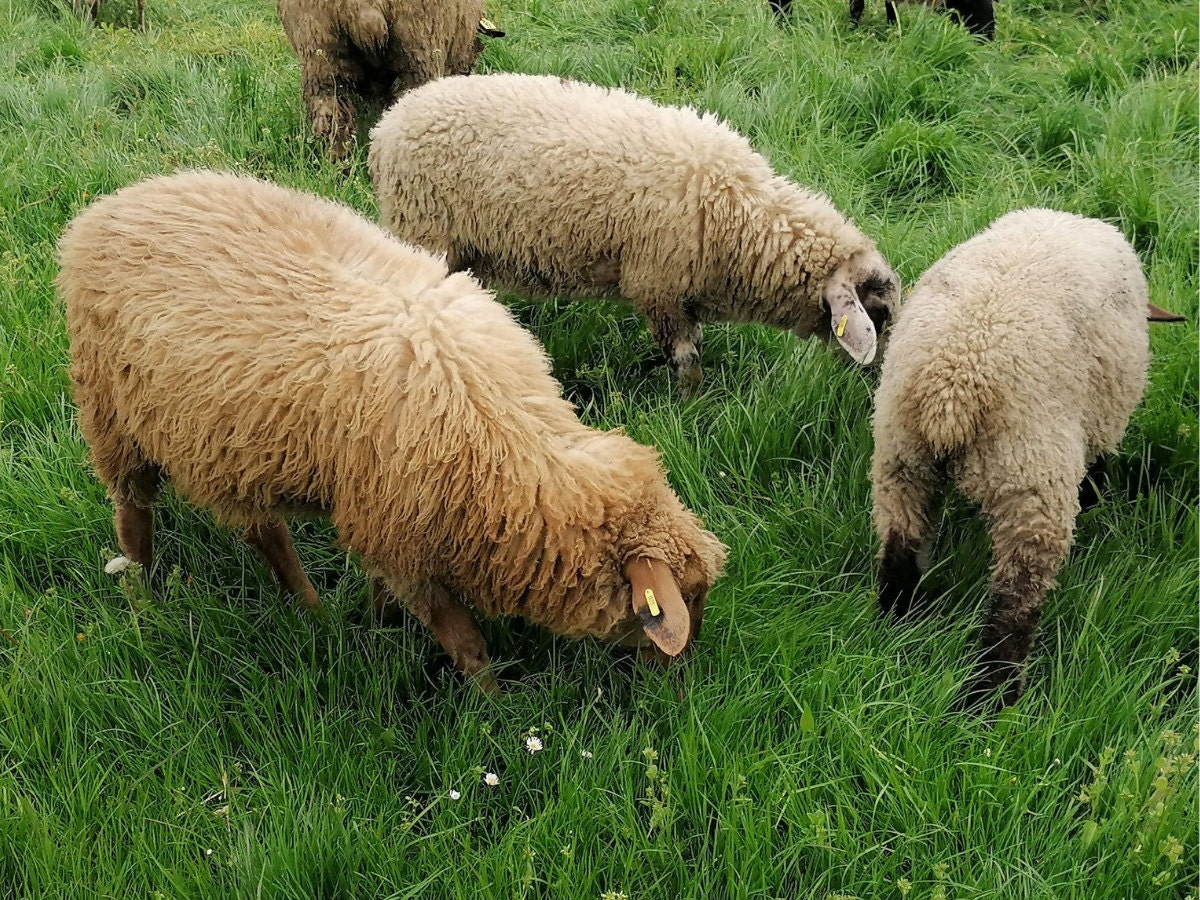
(453, 627)
(679, 336)
(134, 493)
(274, 544)
(1031, 528)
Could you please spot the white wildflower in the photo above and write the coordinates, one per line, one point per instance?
(586, 754)
(491, 779)
(455, 795)
(117, 565)
(533, 743)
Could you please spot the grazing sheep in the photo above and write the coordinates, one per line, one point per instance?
(92, 8)
(274, 354)
(374, 50)
(977, 16)
(550, 186)
(1014, 363)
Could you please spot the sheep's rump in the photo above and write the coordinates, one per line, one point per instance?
(386, 46)
(259, 344)
(1039, 318)
(555, 186)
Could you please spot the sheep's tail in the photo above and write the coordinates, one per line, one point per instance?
(954, 394)
(367, 27)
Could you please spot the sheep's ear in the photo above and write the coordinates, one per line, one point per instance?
(851, 325)
(659, 604)
(1158, 314)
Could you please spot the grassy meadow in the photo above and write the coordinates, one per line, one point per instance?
(211, 742)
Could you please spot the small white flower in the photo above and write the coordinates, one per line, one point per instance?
(208, 852)
(586, 754)
(533, 743)
(491, 779)
(455, 795)
(987, 752)
(117, 565)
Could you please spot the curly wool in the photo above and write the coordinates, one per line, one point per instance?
(550, 186)
(276, 353)
(1017, 359)
(374, 49)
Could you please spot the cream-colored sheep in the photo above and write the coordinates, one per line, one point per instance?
(373, 50)
(550, 186)
(1017, 360)
(274, 354)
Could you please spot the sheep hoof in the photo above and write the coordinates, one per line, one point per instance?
(486, 681)
(689, 378)
(996, 683)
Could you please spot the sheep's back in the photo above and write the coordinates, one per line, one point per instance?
(1040, 318)
(578, 172)
(248, 335)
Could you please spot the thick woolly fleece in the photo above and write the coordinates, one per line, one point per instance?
(549, 186)
(1017, 360)
(373, 50)
(273, 353)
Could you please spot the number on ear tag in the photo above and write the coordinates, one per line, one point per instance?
(652, 603)
(841, 329)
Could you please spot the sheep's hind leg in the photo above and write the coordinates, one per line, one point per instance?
(453, 626)
(902, 495)
(329, 102)
(270, 537)
(1031, 529)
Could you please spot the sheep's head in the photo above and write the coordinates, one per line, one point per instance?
(667, 563)
(860, 297)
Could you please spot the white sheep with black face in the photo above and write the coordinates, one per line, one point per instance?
(555, 187)
(1015, 362)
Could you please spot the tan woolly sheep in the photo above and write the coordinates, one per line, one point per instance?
(549, 186)
(274, 354)
(1017, 360)
(374, 50)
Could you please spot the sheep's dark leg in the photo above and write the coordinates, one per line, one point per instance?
(679, 337)
(781, 7)
(141, 11)
(453, 626)
(329, 101)
(274, 544)
(1093, 483)
(902, 499)
(856, 10)
(889, 8)
(133, 495)
(1031, 529)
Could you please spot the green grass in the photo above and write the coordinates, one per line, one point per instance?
(210, 742)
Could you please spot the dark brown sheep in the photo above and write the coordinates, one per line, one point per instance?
(373, 50)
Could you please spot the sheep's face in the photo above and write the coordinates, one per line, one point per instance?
(663, 590)
(860, 298)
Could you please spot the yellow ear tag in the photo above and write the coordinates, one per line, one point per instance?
(652, 603)
(487, 24)
(841, 329)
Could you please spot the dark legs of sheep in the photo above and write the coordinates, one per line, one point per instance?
(274, 544)
(328, 100)
(903, 494)
(781, 7)
(680, 338)
(1093, 483)
(134, 495)
(453, 626)
(1031, 535)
